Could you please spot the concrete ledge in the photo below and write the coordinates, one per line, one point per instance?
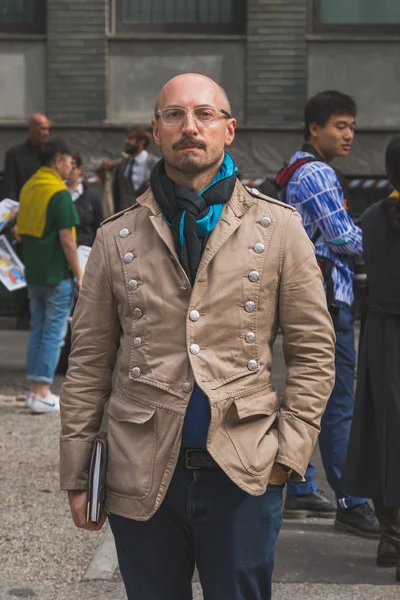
(104, 561)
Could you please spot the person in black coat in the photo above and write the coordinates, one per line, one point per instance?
(373, 461)
(21, 162)
(87, 203)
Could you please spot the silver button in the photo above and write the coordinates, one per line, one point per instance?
(137, 342)
(135, 372)
(194, 315)
(133, 285)
(265, 221)
(128, 258)
(137, 313)
(250, 337)
(250, 306)
(194, 349)
(258, 248)
(254, 276)
(255, 191)
(186, 387)
(124, 233)
(252, 365)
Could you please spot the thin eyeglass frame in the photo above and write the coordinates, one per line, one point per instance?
(221, 110)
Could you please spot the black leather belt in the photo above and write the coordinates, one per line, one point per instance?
(193, 458)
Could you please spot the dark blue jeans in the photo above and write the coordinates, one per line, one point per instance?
(206, 520)
(336, 422)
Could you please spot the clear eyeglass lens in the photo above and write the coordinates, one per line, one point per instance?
(173, 116)
(206, 115)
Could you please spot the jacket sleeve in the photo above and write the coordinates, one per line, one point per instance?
(9, 185)
(309, 349)
(322, 196)
(88, 385)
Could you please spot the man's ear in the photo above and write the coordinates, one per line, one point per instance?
(156, 132)
(230, 132)
(314, 129)
(58, 162)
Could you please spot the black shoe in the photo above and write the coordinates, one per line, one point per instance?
(310, 505)
(388, 554)
(360, 520)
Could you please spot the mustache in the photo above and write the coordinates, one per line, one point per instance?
(189, 141)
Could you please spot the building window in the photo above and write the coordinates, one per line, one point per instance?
(352, 16)
(180, 16)
(22, 16)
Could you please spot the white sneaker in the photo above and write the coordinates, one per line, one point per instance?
(44, 405)
(28, 400)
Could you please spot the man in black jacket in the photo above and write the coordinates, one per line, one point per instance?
(87, 204)
(127, 178)
(21, 162)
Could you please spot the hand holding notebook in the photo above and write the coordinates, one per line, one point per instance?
(87, 506)
(97, 478)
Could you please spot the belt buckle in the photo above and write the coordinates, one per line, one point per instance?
(188, 459)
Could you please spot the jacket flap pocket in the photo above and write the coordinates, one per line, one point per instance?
(265, 402)
(130, 412)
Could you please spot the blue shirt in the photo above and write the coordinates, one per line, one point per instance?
(197, 420)
(316, 193)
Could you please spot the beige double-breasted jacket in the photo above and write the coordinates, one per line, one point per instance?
(258, 272)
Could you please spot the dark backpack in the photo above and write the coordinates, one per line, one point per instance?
(274, 187)
(286, 173)
(281, 182)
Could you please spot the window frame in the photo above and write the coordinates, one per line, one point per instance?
(236, 27)
(37, 26)
(316, 26)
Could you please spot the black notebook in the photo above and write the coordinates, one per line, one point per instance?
(97, 479)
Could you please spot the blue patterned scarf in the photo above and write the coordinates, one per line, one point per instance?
(191, 216)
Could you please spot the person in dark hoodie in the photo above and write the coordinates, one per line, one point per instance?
(87, 204)
(373, 458)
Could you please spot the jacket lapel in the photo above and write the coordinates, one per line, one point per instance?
(162, 228)
(230, 220)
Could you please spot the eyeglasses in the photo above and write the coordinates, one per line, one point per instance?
(206, 115)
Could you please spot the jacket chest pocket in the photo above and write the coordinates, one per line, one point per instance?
(132, 448)
(250, 426)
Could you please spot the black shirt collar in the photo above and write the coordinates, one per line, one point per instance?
(311, 150)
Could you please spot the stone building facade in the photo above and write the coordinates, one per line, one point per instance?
(95, 66)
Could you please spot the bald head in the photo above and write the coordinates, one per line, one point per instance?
(192, 138)
(181, 84)
(39, 129)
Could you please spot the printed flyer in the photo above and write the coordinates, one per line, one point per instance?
(12, 272)
(8, 208)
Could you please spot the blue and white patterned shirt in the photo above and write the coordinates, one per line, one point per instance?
(316, 193)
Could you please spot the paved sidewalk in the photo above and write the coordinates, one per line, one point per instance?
(43, 556)
(100, 590)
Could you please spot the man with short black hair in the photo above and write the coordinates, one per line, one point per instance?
(316, 190)
(46, 223)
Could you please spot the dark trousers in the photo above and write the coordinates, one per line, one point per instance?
(206, 520)
(389, 521)
(336, 422)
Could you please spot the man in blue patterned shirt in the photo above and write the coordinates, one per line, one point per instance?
(316, 190)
